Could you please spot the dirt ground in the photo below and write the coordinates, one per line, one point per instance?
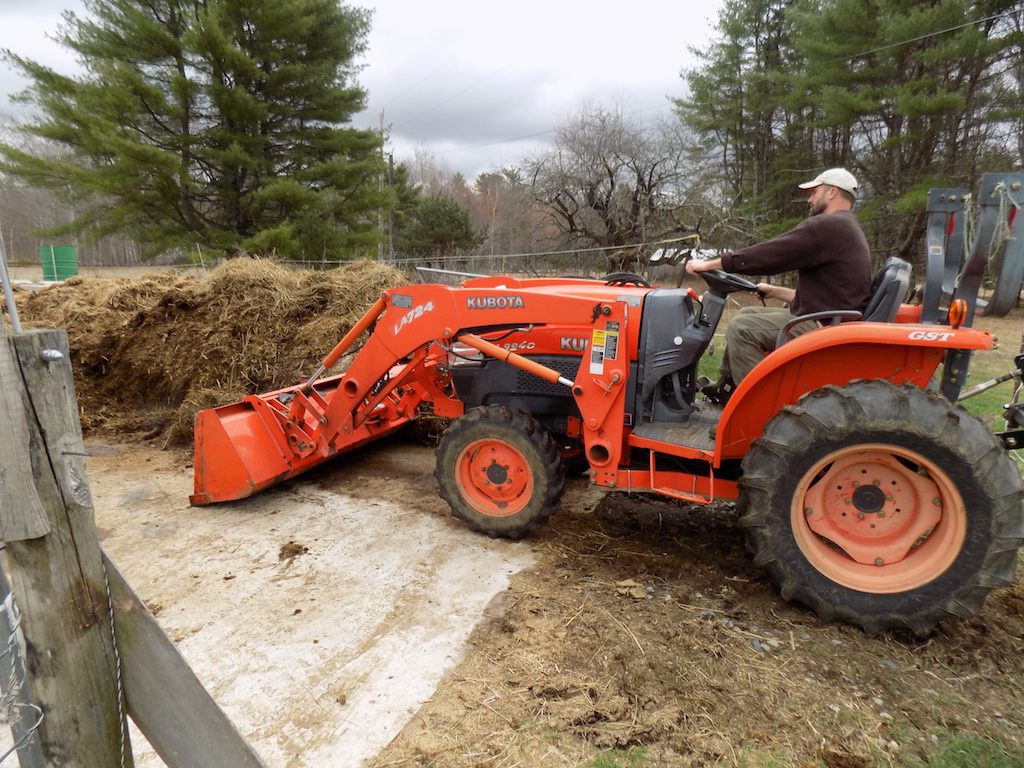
(646, 630)
(632, 631)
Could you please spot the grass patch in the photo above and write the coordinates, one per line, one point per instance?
(634, 757)
(970, 752)
(755, 757)
(991, 364)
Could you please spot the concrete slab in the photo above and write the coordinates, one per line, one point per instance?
(319, 619)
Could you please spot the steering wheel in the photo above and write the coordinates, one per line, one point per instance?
(726, 282)
(626, 278)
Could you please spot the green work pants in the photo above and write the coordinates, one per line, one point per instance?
(751, 335)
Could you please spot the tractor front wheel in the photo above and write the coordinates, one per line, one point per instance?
(500, 471)
(885, 507)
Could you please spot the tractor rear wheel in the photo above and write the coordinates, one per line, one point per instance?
(885, 507)
(500, 471)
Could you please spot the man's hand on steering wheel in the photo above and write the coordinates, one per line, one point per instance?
(696, 266)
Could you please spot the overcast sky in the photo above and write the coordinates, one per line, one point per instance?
(469, 79)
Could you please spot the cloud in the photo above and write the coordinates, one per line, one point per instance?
(454, 75)
(469, 79)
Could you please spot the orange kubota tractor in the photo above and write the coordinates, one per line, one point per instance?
(863, 489)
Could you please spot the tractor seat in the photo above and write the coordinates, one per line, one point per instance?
(888, 289)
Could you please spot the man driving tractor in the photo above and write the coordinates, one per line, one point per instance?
(830, 254)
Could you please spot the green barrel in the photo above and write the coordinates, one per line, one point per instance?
(59, 262)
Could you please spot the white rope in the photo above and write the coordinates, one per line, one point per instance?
(117, 666)
(1002, 232)
(970, 227)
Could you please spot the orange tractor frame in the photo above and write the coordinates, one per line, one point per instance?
(864, 493)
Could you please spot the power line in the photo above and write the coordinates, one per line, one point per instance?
(468, 88)
(501, 141)
(533, 135)
(423, 79)
(928, 35)
(890, 46)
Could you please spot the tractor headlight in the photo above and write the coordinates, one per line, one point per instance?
(460, 355)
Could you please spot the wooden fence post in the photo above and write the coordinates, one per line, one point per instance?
(58, 578)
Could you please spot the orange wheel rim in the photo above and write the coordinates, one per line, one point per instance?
(494, 477)
(878, 518)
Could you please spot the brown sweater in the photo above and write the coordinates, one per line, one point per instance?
(830, 255)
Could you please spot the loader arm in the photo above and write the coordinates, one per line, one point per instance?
(245, 447)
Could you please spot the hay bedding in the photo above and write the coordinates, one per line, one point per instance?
(148, 352)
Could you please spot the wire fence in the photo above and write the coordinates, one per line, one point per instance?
(589, 261)
(16, 711)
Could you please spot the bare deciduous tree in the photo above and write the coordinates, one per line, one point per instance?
(614, 181)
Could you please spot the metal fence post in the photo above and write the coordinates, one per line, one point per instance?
(5, 278)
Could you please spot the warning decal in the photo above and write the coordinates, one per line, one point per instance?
(604, 345)
(597, 352)
(611, 341)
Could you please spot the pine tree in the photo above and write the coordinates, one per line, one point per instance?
(908, 94)
(436, 226)
(219, 122)
(738, 104)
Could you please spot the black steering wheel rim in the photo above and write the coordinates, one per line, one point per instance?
(626, 278)
(719, 278)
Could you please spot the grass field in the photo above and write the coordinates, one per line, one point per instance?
(1009, 335)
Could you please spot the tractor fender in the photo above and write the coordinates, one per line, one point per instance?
(897, 353)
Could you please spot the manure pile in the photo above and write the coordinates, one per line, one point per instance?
(149, 352)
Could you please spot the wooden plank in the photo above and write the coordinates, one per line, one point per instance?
(165, 698)
(58, 579)
(21, 513)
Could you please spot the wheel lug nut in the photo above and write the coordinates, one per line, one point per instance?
(860, 515)
(937, 502)
(879, 561)
(881, 513)
(877, 482)
(856, 484)
(808, 511)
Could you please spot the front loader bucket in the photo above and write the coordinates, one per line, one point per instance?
(242, 448)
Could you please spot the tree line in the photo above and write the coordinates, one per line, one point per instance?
(224, 127)
(907, 95)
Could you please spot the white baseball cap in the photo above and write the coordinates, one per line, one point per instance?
(834, 177)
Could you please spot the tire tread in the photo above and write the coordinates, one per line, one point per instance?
(907, 413)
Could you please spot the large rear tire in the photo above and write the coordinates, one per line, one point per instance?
(885, 507)
(500, 471)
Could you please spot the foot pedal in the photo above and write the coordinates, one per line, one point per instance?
(719, 392)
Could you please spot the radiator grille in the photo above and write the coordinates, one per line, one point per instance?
(528, 383)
